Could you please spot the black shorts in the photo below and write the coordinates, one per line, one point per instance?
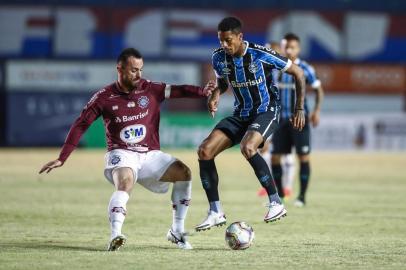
(285, 137)
(235, 127)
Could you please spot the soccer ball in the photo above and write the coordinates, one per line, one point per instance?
(239, 235)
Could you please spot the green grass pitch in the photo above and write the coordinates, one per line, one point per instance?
(355, 217)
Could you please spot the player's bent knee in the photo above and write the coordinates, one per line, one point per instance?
(186, 173)
(248, 149)
(204, 152)
(275, 159)
(123, 179)
(177, 171)
(304, 158)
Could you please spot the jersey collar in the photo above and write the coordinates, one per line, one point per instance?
(297, 61)
(141, 86)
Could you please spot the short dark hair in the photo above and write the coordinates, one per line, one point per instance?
(232, 24)
(126, 53)
(291, 36)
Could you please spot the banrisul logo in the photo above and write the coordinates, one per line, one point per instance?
(133, 133)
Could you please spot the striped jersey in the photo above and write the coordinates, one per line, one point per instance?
(286, 85)
(251, 78)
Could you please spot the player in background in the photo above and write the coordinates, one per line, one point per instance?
(130, 108)
(287, 161)
(247, 67)
(285, 137)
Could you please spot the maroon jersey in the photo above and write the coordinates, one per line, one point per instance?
(131, 121)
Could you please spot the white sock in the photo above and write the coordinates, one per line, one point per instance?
(181, 194)
(288, 169)
(215, 206)
(117, 211)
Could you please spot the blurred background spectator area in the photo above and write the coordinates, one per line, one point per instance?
(54, 55)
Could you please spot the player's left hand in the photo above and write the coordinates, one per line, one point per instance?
(315, 118)
(209, 88)
(299, 119)
(51, 165)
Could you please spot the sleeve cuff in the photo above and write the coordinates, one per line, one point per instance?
(316, 84)
(217, 75)
(288, 64)
(167, 91)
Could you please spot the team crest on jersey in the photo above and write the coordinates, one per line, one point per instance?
(253, 68)
(143, 102)
(131, 104)
(114, 160)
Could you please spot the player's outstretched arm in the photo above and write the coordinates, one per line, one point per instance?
(189, 91)
(89, 114)
(50, 166)
(300, 83)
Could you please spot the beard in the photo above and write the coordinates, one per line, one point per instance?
(130, 84)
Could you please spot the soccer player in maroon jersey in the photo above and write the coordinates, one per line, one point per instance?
(131, 113)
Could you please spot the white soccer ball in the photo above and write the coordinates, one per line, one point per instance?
(239, 235)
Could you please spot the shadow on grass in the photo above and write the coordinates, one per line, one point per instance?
(64, 246)
(48, 246)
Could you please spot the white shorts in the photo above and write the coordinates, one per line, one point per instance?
(147, 167)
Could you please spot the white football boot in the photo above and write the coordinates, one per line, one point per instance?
(212, 219)
(116, 243)
(179, 239)
(276, 211)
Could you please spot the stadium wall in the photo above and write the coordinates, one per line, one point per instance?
(44, 97)
(190, 34)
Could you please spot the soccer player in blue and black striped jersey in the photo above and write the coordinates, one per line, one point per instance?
(286, 137)
(247, 68)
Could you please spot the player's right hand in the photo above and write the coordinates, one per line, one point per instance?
(298, 119)
(51, 165)
(213, 102)
(209, 88)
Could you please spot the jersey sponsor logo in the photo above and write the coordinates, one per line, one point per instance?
(133, 133)
(224, 69)
(94, 97)
(143, 102)
(118, 119)
(131, 104)
(264, 48)
(127, 118)
(258, 81)
(137, 147)
(253, 68)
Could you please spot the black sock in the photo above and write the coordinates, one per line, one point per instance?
(210, 179)
(277, 175)
(304, 179)
(264, 175)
